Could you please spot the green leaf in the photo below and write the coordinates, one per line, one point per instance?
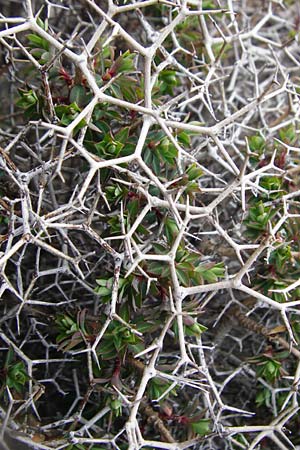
(109, 146)
(159, 268)
(76, 447)
(160, 249)
(156, 387)
(106, 348)
(136, 348)
(208, 4)
(116, 406)
(9, 357)
(184, 138)
(78, 95)
(127, 88)
(38, 41)
(256, 144)
(171, 230)
(122, 135)
(269, 369)
(118, 342)
(28, 99)
(281, 256)
(193, 172)
(211, 273)
(263, 397)
(41, 24)
(133, 208)
(288, 134)
(116, 91)
(196, 329)
(166, 151)
(258, 217)
(125, 62)
(67, 113)
(102, 291)
(168, 80)
(183, 277)
(16, 376)
(156, 164)
(189, 257)
(104, 287)
(271, 183)
(202, 427)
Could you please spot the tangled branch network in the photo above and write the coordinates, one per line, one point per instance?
(149, 201)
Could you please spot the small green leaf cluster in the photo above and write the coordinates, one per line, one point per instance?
(117, 340)
(117, 72)
(259, 216)
(168, 80)
(67, 113)
(157, 387)
(263, 397)
(189, 268)
(112, 145)
(130, 289)
(39, 47)
(191, 327)
(13, 374)
(30, 102)
(69, 332)
(159, 150)
(288, 135)
(268, 368)
(266, 209)
(79, 96)
(283, 262)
